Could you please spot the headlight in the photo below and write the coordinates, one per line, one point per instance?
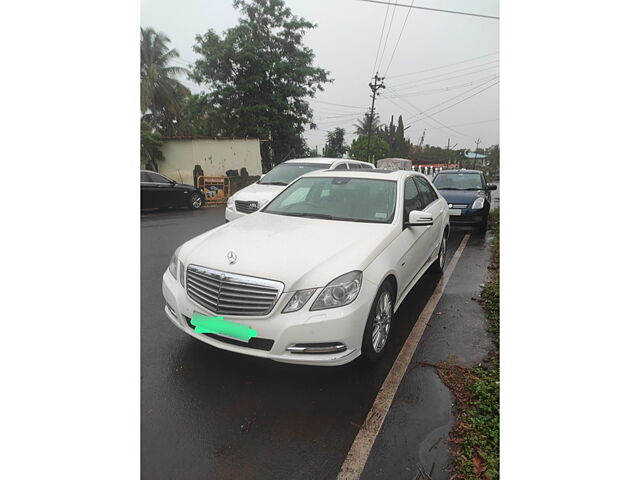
(479, 203)
(298, 300)
(176, 267)
(173, 265)
(342, 291)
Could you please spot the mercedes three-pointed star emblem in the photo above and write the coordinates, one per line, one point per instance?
(232, 257)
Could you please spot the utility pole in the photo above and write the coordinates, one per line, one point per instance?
(375, 86)
(476, 157)
(449, 147)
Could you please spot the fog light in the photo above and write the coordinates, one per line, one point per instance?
(317, 348)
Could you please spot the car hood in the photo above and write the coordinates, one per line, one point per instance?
(461, 196)
(259, 193)
(300, 252)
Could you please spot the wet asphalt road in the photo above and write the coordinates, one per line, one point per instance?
(207, 413)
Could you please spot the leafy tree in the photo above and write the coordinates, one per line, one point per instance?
(258, 74)
(377, 150)
(394, 136)
(161, 95)
(150, 146)
(401, 144)
(363, 126)
(335, 146)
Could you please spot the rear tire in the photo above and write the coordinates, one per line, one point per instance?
(195, 201)
(378, 327)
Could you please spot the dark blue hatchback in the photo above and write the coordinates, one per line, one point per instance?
(468, 196)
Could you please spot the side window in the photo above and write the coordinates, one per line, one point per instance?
(342, 166)
(144, 177)
(412, 198)
(425, 189)
(157, 178)
(366, 165)
(354, 166)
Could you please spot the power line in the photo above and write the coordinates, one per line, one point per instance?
(399, 37)
(336, 104)
(431, 117)
(393, 14)
(451, 98)
(465, 99)
(375, 62)
(424, 80)
(449, 88)
(442, 66)
(436, 9)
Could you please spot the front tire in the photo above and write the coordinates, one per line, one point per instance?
(483, 226)
(442, 254)
(378, 327)
(195, 201)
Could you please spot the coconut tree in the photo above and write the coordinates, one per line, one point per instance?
(363, 125)
(161, 94)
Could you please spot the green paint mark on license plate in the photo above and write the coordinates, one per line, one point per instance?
(220, 326)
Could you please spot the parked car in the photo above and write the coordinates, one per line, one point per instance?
(315, 276)
(468, 196)
(255, 196)
(158, 191)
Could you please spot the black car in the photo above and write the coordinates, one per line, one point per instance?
(468, 196)
(158, 191)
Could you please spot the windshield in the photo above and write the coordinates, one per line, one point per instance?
(338, 198)
(458, 181)
(286, 173)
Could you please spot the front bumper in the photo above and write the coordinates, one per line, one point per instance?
(468, 217)
(343, 325)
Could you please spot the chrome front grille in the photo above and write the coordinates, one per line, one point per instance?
(461, 206)
(232, 294)
(246, 207)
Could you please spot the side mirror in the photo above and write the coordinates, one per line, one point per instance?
(492, 186)
(418, 218)
(262, 176)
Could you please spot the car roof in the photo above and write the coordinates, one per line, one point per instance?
(323, 160)
(461, 170)
(368, 173)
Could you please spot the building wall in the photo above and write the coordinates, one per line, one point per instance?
(214, 156)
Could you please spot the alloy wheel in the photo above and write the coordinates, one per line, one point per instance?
(382, 322)
(443, 252)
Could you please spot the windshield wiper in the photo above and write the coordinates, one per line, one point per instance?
(274, 183)
(447, 188)
(473, 188)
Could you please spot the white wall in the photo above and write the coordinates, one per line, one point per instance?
(214, 156)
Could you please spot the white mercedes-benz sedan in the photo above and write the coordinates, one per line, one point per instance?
(257, 195)
(315, 276)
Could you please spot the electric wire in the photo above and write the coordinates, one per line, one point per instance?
(436, 10)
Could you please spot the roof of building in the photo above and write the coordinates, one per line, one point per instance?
(209, 138)
(474, 155)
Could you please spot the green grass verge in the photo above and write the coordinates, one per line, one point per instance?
(478, 427)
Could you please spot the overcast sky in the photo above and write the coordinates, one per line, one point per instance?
(457, 57)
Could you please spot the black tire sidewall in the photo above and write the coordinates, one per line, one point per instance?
(367, 348)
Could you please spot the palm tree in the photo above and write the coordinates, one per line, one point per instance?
(362, 126)
(161, 95)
